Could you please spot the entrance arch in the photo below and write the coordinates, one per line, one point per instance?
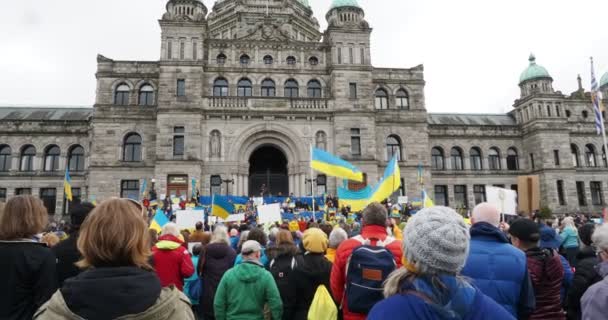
(268, 173)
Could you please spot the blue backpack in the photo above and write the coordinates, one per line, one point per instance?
(366, 270)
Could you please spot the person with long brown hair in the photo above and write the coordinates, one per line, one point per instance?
(282, 264)
(28, 267)
(119, 280)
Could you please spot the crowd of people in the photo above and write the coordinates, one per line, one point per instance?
(109, 264)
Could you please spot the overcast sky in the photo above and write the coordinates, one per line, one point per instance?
(473, 51)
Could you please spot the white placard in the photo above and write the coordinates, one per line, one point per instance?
(258, 201)
(187, 219)
(233, 218)
(402, 200)
(504, 199)
(269, 213)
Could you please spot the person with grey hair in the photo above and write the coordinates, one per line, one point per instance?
(594, 303)
(246, 288)
(336, 237)
(496, 267)
(435, 246)
(570, 240)
(172, 261)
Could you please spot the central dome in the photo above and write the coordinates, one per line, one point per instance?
(344, 3)
(533, 71)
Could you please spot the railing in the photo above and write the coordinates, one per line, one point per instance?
(310, 104)
(268, 103)
(228, 103)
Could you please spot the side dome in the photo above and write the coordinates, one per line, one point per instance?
(344, 3)
(604, 81)
(304, 3)
(534, 71)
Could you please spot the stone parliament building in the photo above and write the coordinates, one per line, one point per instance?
(239, 95)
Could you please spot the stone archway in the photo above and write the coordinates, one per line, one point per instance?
(268, 172)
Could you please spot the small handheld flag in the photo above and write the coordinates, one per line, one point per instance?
(159, 220)
(427, 201)
(67, 185)
(144, 187)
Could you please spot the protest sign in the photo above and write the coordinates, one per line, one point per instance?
(187, 219)
(504, 199)
(269, 213)
(402, 200)
(233, 218)
(258, 201)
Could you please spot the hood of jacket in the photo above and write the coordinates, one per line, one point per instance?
(108, 293)
(280, 250)
(488, 232)
(314, 266)
(168, 242)
(248, 271)
(454, 302)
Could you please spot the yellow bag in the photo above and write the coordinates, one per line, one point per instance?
(322, 306)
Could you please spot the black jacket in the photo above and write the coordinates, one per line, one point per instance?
(282, 265)
(312, 270)
(67, 255)
(584, 277)
(213, 263)
(28, 278)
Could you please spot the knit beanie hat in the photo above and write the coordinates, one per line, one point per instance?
(315, 240)
(436, 241)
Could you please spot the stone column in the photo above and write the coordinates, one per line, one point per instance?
(291, 188)
(235, 185)
(246, 191)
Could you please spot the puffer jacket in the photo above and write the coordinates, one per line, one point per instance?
(585, 276)
(547, 274)
(125, 293)
(172, 261)
(213, 263)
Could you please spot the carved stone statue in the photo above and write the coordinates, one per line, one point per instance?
(215, 145)
(321, 141)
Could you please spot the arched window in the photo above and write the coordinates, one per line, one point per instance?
(268, 88)
(575, 157)
(313, 61)
(268, 59)
(381, 99)
(5, 158)
(51, 158)
(590, 155)
(146, 95)
(475, 156)
(512, 159)
(221, 58)
(456, 155)
(393, 147)
(291, 88)
(132, 148)
(220, 87)
(291, 60)
(27, 158)
(244, 88)
(437, 159)
(494, 159)
(402, 99)
(244, 60)
(314, 89)
(76, 158)
(121, 95)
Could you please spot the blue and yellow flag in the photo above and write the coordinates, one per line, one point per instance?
(420, 174)
(334, 166)
(356, 200)
(391, 182)
(159, 220)
(67, 185)
(427, 202)
(144, 187)
(222, 207)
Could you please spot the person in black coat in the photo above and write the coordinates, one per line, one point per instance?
(28, 267)
(282, 266)
(312, 270)
(66, 251)
(214, 261)
(585, 275)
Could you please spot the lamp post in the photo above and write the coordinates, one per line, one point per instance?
(227, 182)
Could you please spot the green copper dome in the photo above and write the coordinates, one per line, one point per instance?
(304, 2)
(604, 81)
(344, 3)
(533, 71)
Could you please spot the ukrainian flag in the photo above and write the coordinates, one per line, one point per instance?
(389, 183)
(159, 221)
(356, 200)
(427, 201)
(333, 166)
(67, 185)
(222, 207)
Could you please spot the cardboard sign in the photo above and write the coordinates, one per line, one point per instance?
(269, 213)
(233, 218)
(528, 188)
(187, 219)
(402, 200)
(504, 199)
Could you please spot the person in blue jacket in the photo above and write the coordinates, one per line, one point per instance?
(496, 267)
(549, 239)
(436, 246)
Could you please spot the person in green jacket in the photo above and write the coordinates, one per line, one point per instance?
(246, 288)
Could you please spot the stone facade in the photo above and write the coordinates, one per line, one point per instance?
(253, 74)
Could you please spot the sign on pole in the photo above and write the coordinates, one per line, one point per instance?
(504, 199)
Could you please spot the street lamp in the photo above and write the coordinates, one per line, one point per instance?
(227, 181)
(152, 189)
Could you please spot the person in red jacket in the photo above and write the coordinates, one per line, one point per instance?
(171, 260)
(374, 229)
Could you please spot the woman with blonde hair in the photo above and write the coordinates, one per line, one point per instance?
(119, 280)
(28, 267)
(570, 240)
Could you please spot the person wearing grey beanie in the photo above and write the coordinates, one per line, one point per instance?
(435, 247)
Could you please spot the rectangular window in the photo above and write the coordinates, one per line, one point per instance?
(479, 191)
(352, 90)
(596, 193)
(216, 185)
(441, 196)
(49, 198)
(129, 189)
(194, 50)
(532, 161)
(181, 87)
(502, 186)
(460, 196)
(351, 58)
(178, 141)
(169, 49)
(355, 142)
(23, 191)
(321, 185)
(557, 111)
(339, 55)
(182, 50)
(580, 193)
(362, 56)
(549, 111)
(515, 188)
(556, 157)
(560, 193)
(402, 188)
(2, 194)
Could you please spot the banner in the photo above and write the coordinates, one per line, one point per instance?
(187, 219)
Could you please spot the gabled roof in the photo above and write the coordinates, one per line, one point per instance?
(456, 119)
(44, 114)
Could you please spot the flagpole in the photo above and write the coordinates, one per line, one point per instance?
(602, 125)
(312, 187)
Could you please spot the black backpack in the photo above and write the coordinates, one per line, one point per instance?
(282, 268)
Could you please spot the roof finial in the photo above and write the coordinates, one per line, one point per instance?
(532, 58)
(580, 83)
